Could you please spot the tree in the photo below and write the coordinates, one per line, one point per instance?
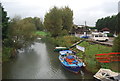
(111, 22)
(59, 21)
(67, 18)
(23, 32)
(118, 23)
(38, 23)
(53, 21)
(4, 19)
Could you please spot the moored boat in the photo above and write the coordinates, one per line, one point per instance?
(107, 75)
(70, 61)
(60, 48)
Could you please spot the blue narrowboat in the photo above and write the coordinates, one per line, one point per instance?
(70, 61)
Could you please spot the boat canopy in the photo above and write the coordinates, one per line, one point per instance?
(65, 51)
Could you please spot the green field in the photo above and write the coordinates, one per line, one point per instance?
(41, 33)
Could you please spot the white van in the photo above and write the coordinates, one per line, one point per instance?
(99, 36)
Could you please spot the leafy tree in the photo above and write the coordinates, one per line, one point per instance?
(118, 23)
(38, 23)
(59, 21)
(111, 22)
(23, 32)
(4, 20)
(53, 21)
(67, 18)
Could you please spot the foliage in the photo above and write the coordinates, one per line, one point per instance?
(23, 31)
(67, 18)
(92, 28)
(63, 32)
(64, 41)
(118, 23)
(111, 22)
(38, 23)
(6, 53)
(116, 44)
(110, 35)
(89, 55)
(58, 21)
(4, 20)
(4, 26)
(53, 22)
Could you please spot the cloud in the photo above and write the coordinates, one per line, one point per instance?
(84, 10)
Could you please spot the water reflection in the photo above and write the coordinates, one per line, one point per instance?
(39, 61)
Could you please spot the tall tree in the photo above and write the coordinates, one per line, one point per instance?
(4, 20)
(38, 23)
(111, 22)
(53, 21)
(59, 21)
(118, 23)
(67, 18)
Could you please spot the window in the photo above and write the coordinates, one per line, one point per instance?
(96, 35)
(100, 35)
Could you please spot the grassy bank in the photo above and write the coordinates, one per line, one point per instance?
(64, 41)
(89, 57)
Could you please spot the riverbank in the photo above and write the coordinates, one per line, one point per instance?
(39, 61)
(88, 56)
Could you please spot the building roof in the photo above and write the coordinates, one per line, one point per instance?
(105, 29)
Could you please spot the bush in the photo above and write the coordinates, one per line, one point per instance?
(116, 44)
(6, 54)
(64, 41)
(110, 35)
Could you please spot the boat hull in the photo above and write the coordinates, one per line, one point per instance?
(74, 69)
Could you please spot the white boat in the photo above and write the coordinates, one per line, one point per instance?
(107, 75)
(39, 38)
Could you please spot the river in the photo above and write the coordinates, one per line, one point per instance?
(39, 61)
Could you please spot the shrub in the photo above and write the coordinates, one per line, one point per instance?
(6, 53)
(110, 35)
(116, 44)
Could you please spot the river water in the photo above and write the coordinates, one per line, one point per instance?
(39, 61)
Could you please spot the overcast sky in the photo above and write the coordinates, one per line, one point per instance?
(83, 10)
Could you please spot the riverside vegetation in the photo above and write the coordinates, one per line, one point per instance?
(88, 56)
(57, 25)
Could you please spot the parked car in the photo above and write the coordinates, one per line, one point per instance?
(84, 37)
(99, 37)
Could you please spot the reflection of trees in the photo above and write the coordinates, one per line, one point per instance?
(54, 61)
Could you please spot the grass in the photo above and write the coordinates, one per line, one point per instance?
(41, 33)
(64, 41)
(6, 53)
(89, 57)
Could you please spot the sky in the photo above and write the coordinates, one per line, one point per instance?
(83, 10)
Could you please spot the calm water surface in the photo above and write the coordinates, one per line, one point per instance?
(39, 61)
